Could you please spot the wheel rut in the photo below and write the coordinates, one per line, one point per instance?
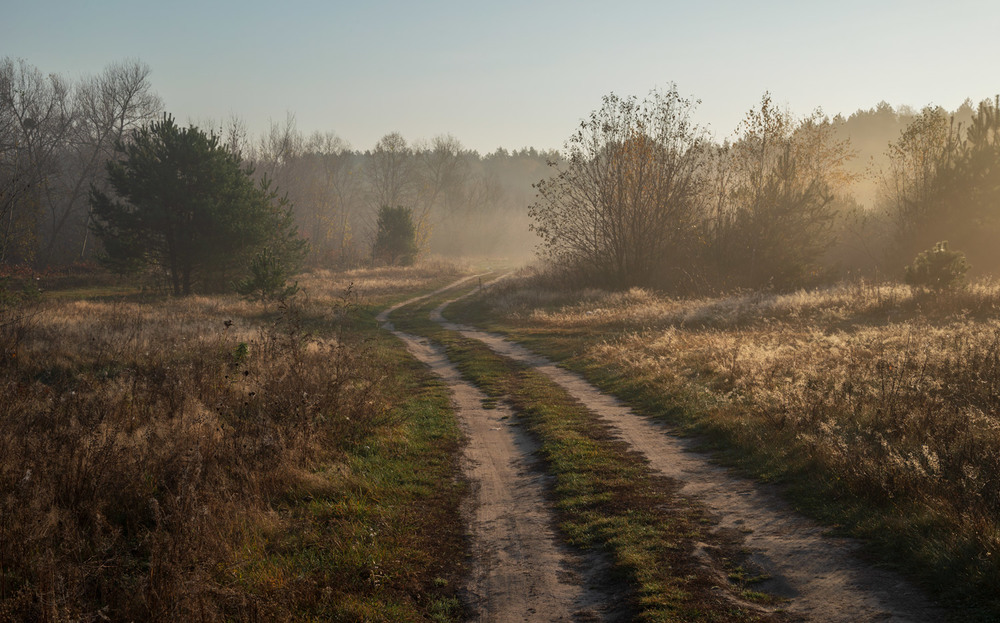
(519, 569)
(820, 577)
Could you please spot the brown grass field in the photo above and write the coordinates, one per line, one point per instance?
(876, 406)
(209, 458)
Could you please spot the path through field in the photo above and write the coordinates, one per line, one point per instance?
(820, 576)
(520, 571)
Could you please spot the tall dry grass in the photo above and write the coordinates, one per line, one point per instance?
(144, 448)
(885, 398)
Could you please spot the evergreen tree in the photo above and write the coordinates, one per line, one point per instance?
(395, 236)
(184, 203)
(268, 279)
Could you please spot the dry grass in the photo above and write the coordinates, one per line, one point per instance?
(887, 399)
(146, 449)
(377, 284)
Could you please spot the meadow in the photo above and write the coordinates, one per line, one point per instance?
(209, 458)
(874, 406)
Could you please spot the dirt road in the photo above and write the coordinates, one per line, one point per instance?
(820, 576)
(520, 571)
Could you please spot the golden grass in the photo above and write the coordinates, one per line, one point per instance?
(891, 397)
(376, 284)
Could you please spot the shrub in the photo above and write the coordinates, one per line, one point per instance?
(937, 269)
(268, 279)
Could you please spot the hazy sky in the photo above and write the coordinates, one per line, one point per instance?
(512, 73)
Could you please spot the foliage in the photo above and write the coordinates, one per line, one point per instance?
(646, 200)
(57, 133)
(395, 236)
(622, 209)
(186, 205)
(771, 200)
(268, 278)
(937, 269)
(944, 182)
(910, 184)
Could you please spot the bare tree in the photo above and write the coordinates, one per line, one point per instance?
(444, 173)
(106, 108)
(622, 209)
(334, 196)
(236, 137)
(35, 117)
(392, 181)
(277, 147)
(390, 173)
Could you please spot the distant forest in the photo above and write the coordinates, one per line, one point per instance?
(881, 173)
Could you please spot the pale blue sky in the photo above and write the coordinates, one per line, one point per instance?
(513, 73)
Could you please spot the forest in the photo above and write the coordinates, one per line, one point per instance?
(57, 136)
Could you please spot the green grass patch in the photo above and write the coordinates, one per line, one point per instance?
(385, 542)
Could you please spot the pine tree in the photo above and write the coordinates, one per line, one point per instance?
(185, 204)
(395, 236)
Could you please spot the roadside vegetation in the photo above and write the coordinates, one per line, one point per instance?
(874, 405)
(210, 458)
(606, 497)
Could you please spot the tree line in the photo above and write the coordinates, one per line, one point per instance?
(57, 136)
(461, 202)
(645, 197)
(638, 196)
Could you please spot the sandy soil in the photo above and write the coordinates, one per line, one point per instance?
(820, 576)
(520, 571)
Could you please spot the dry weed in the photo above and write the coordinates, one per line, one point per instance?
(142, 447)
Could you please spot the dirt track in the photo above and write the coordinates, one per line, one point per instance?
(820, 576)
(521, 573)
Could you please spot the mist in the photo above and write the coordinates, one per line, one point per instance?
(882, 184)
(464, 203)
